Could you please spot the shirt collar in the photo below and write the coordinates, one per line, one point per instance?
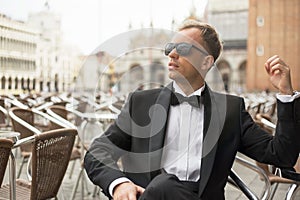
(178, 90)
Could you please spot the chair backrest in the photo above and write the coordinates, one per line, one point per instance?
(2, 103)
(5, 149)
(62, 103)
(82, 107)
(2, 115)
(50, 157)
(27, 116)
(59, 110)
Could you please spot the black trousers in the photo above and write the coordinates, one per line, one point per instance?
(169, 187)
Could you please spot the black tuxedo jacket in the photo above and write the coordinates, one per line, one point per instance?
(137, 137)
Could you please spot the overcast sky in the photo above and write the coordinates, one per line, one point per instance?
(89, 23)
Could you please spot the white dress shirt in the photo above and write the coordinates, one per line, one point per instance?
(183, 143)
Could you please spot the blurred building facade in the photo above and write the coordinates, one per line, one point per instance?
(18, 46)
(139, 65)
(274, 28)
(58, 63)
(143, 65)
(231, 21)
(33, 56)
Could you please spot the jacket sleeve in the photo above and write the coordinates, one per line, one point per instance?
(283, 148)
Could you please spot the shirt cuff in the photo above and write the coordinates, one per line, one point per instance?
(288, 98)
(115, 183)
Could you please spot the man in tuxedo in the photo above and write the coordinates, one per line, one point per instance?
(180, 141)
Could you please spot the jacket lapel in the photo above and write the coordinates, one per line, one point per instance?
(213, 123)
(159, 117)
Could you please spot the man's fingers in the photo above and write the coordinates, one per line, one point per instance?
(279, 68)
(131, 196)
(275, 65)
(268, 62)
(267, 67)
(140, 190)
(128, 196)
(127, 191)
(275, 69)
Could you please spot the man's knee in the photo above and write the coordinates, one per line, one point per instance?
(160, 185)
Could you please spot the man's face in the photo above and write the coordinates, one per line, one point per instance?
(187, 67)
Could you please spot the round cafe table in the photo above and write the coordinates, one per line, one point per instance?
(14, 136)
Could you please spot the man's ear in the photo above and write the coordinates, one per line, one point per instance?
(208, 61)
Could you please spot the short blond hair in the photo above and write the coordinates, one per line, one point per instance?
(209, 35)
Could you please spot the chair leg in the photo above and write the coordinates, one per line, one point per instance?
(81, 177)
(76, 184)
(86, 182)
(96, 191)
(24, 160)
(72, 169)
(292, 191)
(273, 190)
(16, 153)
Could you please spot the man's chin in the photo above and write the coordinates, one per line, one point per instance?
(175, 75)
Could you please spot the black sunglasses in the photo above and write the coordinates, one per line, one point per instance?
(182, 48)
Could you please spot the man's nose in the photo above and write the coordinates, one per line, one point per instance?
(173, 53)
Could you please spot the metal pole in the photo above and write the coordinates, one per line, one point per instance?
(12, 176)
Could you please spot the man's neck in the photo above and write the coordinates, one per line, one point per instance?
(189, 88)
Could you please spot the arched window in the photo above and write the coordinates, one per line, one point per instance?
(225, 71)
(28, 84)
(157, 71)
(22, 83)
(16, 83)
(136, 71)
(242, 75)
(3, 80)
(136, 76)
(33, 84)
(41, 85)
(56, 82)
(9, 83)
(48, 86)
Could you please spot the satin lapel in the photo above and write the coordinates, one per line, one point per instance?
(211, 132)
(159, 119)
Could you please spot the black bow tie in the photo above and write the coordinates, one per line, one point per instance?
(177, 98)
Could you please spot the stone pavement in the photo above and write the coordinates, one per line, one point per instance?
(250, 177)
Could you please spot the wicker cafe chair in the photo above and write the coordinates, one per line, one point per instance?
(51, 152)
(24, 122)
(5, 149)
(27, 116)
(61, 114)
